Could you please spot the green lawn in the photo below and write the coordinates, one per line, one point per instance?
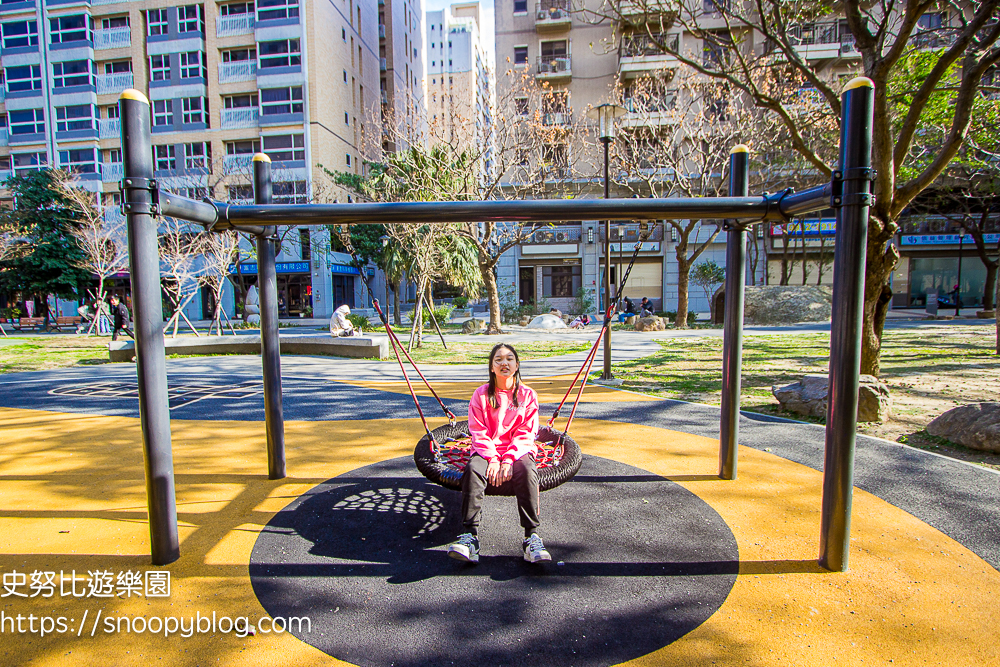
(45, 352)
(477, 353)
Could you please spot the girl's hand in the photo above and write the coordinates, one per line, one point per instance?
(493, 472)
(506, 471)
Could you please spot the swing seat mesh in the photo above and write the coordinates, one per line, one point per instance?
(556, 461)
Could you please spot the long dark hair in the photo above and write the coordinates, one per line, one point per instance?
(492, 392)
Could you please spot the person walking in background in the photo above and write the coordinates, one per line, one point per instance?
(121, 318)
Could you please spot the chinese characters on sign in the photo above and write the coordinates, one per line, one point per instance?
(98, 584)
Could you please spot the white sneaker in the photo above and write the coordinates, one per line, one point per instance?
(534, 550)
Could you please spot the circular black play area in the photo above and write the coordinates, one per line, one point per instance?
(638, 562)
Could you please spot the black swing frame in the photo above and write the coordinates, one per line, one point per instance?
(849, 191)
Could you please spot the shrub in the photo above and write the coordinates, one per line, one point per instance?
(360, 322)
(460, 301)
(442, 314)
(671, 315)
(583, 303)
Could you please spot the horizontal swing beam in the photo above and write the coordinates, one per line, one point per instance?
(220, 216)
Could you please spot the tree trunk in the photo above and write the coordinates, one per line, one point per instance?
(417, 330)
(882, 259)
(991, 280)
(396, 315)
(493, 296)
(683, 284)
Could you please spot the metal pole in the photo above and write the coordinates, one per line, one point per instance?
(732, 347)
(270, 351)
(607, 269)
(845, 334)
(151, 365)
(958, 286)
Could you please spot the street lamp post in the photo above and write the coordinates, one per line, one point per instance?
(958, 286)
(605, 115)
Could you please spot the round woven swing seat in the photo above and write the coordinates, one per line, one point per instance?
(557, 460)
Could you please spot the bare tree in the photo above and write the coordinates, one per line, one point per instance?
(179, 243)
(218, 251)
(925, 69)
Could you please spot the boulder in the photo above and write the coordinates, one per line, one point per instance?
(809, 396)
(653, 323)
(787, 304)
(977, 426)
(525, 320)
(547, 321)
(472, 326)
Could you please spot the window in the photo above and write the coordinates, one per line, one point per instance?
(78, 160)
(189, 19)
(343, 34)
(277, 9)
(561, 281)
(159, 68)
(113, 156)
(116, 66)
(237, 8)
(28, 77)
(551, 50)
(285, 147)
(156, 22)
(520, 55)
(111, 111)
(280, 101)
(163, 112)
(239, 55)
(283, 53)
(348, 159)
(305, 244)
(241, 193)
(19, 33)
(289, 192)
(109, 22)
(28, 121)
(72, 73)
(194, 110)
(28, 162)
(715, 49)
(165, 158)
(240, 101)
(346, 121)
(520, 6)
(70, 28)
(197, 155)
(80, 117)
(247, 147)
(192, 65)
(521, 106)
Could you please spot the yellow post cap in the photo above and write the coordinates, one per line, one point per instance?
(740, 148)
(133, 94)
(261, 157)
(859, 82)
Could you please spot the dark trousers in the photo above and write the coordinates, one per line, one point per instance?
(523, 483)
(128, 332)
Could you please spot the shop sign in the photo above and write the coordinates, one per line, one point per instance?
(649, 246)
(344, 269)
(942, 239)
(808, 228)
(279, 267)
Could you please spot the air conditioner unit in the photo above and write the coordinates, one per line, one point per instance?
(562, 236)
(542, 15)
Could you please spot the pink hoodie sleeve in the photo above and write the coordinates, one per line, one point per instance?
(522, 436)
(480, 426)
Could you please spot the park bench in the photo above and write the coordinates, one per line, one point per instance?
(29, 322)
(71, 321)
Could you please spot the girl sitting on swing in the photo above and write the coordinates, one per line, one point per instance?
(503, 423)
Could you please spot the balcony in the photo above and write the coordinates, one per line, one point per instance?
(109, 128)
(381, 31)
(552, 15)
(554, 68)
(643, 53)
(382, 65)
(241, 117)
(3, 92)
(113, 38)
(822, 40)
(4, 137)
(557, 118)
(113, 215)
(234, 24)
(113, 83)
(240, 70)
(112, 172)
(240, 163)
(644, 110)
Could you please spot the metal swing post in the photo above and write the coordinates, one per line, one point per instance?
(270, 350)
(852, 198)
(732, 347)
(140, 204)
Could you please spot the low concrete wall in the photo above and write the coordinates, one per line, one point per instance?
(364, 347)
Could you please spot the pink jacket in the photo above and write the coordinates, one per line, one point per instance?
(506, 431)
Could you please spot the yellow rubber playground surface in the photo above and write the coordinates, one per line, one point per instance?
(73, 505)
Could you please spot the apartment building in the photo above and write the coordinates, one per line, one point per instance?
(296, 79)
(579, 60)
(401, 77)
(459, 105)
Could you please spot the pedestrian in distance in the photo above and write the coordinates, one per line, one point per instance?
(121, 319)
